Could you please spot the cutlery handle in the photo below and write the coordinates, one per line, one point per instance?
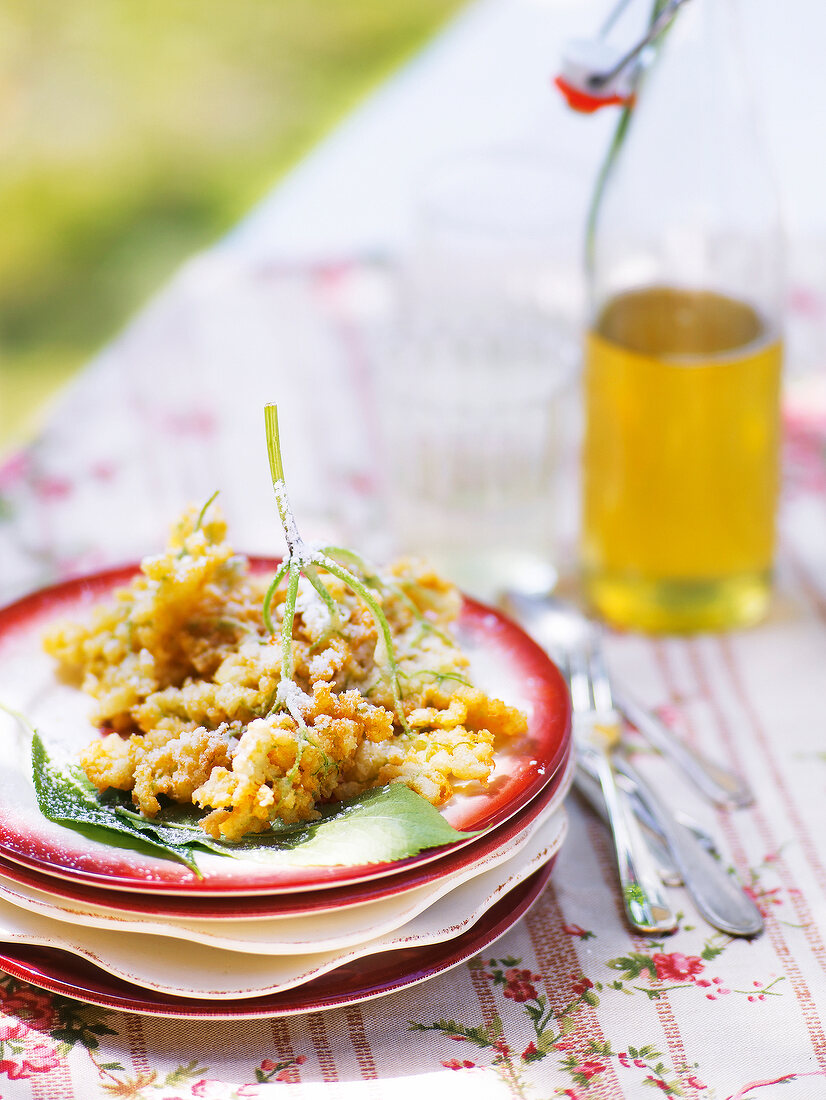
(716, 894)
(717, 783)
(642, 891)
(588, 786)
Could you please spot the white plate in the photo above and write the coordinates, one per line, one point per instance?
(158, 963)
(320, 932)
(503, 660)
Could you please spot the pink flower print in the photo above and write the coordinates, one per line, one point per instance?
(804, 449)
(103, 470)
(695, 1083)
(454, 1063)
(194, 421)
(581, 986)
(209, 1090)
(14, 469)
(577, 930)
(41, 1058)
(677, 967)
(623, 1059)
(13, 1029)
(519, 985)
(530, 1051)
(764, 898)
(13, 1070)
(804, 301)
(671, 715)
(52, 487)
(590, 1069)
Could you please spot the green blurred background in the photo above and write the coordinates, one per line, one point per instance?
(134, 132)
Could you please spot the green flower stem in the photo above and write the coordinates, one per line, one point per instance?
(273, 443)
(374, 580)
(277, 579)
(371, 577)
(203, 511)
(375, 608)
(311, 573)
(301, 559)
(287, 623)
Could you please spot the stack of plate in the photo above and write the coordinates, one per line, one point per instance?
(252, 937)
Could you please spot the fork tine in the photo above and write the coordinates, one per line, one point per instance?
(600, 684)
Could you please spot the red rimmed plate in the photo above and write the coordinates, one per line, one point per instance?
(306, 903)
(504, 660)
(374, 976)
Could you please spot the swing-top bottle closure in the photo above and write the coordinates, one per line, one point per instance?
(595, 73)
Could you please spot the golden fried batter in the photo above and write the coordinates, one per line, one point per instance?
(184, 670)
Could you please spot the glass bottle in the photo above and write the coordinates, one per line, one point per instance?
(683, 350)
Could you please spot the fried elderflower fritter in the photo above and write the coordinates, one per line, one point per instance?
(188, 679)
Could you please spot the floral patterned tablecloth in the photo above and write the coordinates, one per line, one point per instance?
(568, 1002)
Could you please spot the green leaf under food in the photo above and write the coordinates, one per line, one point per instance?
(382, 825)
(67, 799)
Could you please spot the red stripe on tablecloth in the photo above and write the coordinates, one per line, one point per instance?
(665, 1014)
(671, 1030)
(137, 1043)
(803, 838)
(733, 839)
(361, 1045)
(665, 1011)
(487, 1004)
(642, 944)
(57, 1084)
(558, 959)
(284, 1049)
(323, 1050)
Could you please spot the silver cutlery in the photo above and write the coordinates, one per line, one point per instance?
(682, 853)
(588, 786)
(721, 786)
(574, 644)
(596, 731)
(718, 897)
(549, 620)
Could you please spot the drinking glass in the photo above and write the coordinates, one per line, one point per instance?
(473, 371)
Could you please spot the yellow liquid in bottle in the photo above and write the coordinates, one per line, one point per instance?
(680, 461)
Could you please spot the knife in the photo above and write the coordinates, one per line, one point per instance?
(715, 893)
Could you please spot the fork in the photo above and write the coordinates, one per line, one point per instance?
(597, 730)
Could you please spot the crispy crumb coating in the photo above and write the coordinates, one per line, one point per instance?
(183, 670)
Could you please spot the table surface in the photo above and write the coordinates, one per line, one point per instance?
(158, 420)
